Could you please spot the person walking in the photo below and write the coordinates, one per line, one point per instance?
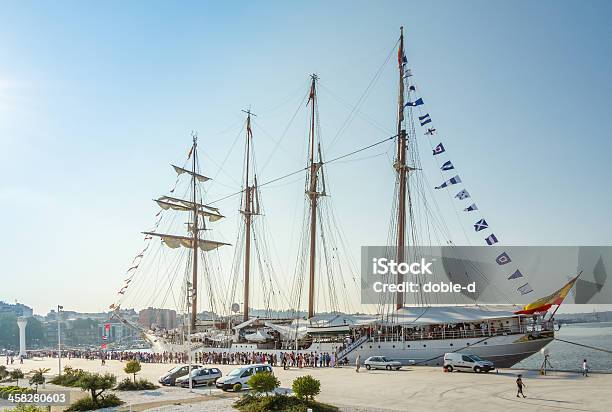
(585, 368)
(357, 363)
(520, 385)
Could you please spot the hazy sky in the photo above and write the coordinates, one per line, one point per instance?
(96, 99)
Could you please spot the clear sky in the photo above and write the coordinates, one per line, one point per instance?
(96, 99)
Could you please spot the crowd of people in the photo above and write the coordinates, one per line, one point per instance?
(141, 356)
(285, 359)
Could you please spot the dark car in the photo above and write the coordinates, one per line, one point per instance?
(169, 378)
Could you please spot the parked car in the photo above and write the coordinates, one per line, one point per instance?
(381, 362)
(169, 378)
(201, 376)
(241, 376)
(467, 362)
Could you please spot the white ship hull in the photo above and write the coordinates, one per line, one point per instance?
(504, 350)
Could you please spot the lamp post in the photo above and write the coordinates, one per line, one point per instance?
(59, 340)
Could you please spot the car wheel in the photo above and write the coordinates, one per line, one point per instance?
(398, 368)
(388, 367)
(449, 368)
(237, 387)
(368, 367)
(477, 369)
(193, 384)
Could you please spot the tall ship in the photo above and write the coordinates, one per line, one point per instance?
(182, 268)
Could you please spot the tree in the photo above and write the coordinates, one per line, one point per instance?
(132, 367)
(16, 374)
(38, 378)
(263, 382)
(306, 387)
(96, 384)
(3, 372)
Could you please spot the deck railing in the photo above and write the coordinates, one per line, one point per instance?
(412, 335)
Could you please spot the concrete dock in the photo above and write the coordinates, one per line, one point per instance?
(412, 388)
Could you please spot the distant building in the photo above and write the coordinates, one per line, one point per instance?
(18, 309)
(151, 318)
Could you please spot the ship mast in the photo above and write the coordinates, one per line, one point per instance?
(192, 240)
(194, 276)
(401, 169)
(248, 212)
(313, 195)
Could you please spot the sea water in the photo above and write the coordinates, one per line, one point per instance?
(566, 356)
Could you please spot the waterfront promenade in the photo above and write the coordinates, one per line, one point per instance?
(412, 388)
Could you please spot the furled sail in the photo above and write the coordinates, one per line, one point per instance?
(187, 206)
(188, 203)
(180, 171)
(174, 241)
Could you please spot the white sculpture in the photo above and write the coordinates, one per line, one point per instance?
(22, 322)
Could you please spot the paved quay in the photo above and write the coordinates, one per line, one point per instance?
(412, 388)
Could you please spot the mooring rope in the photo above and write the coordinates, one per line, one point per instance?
(583, 345)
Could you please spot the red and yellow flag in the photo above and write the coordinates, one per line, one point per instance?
(543, 304)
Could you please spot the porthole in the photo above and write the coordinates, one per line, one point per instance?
(486, 343)
(424, 346)
(393, 346)
(378, 346)
(451, 344)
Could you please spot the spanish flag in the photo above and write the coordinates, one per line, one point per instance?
(543, 304)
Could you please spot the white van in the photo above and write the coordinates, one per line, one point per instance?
(466, 362)
(241, 376)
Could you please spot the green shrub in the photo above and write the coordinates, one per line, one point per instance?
(252, 403)
(69, 378)
(88, 404)
(26, 408)
(306, 387)
(141, 385)
(263, 382)
(6, 391)
(3, 372)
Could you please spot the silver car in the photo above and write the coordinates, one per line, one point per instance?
(200, 376)
(381, 362)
